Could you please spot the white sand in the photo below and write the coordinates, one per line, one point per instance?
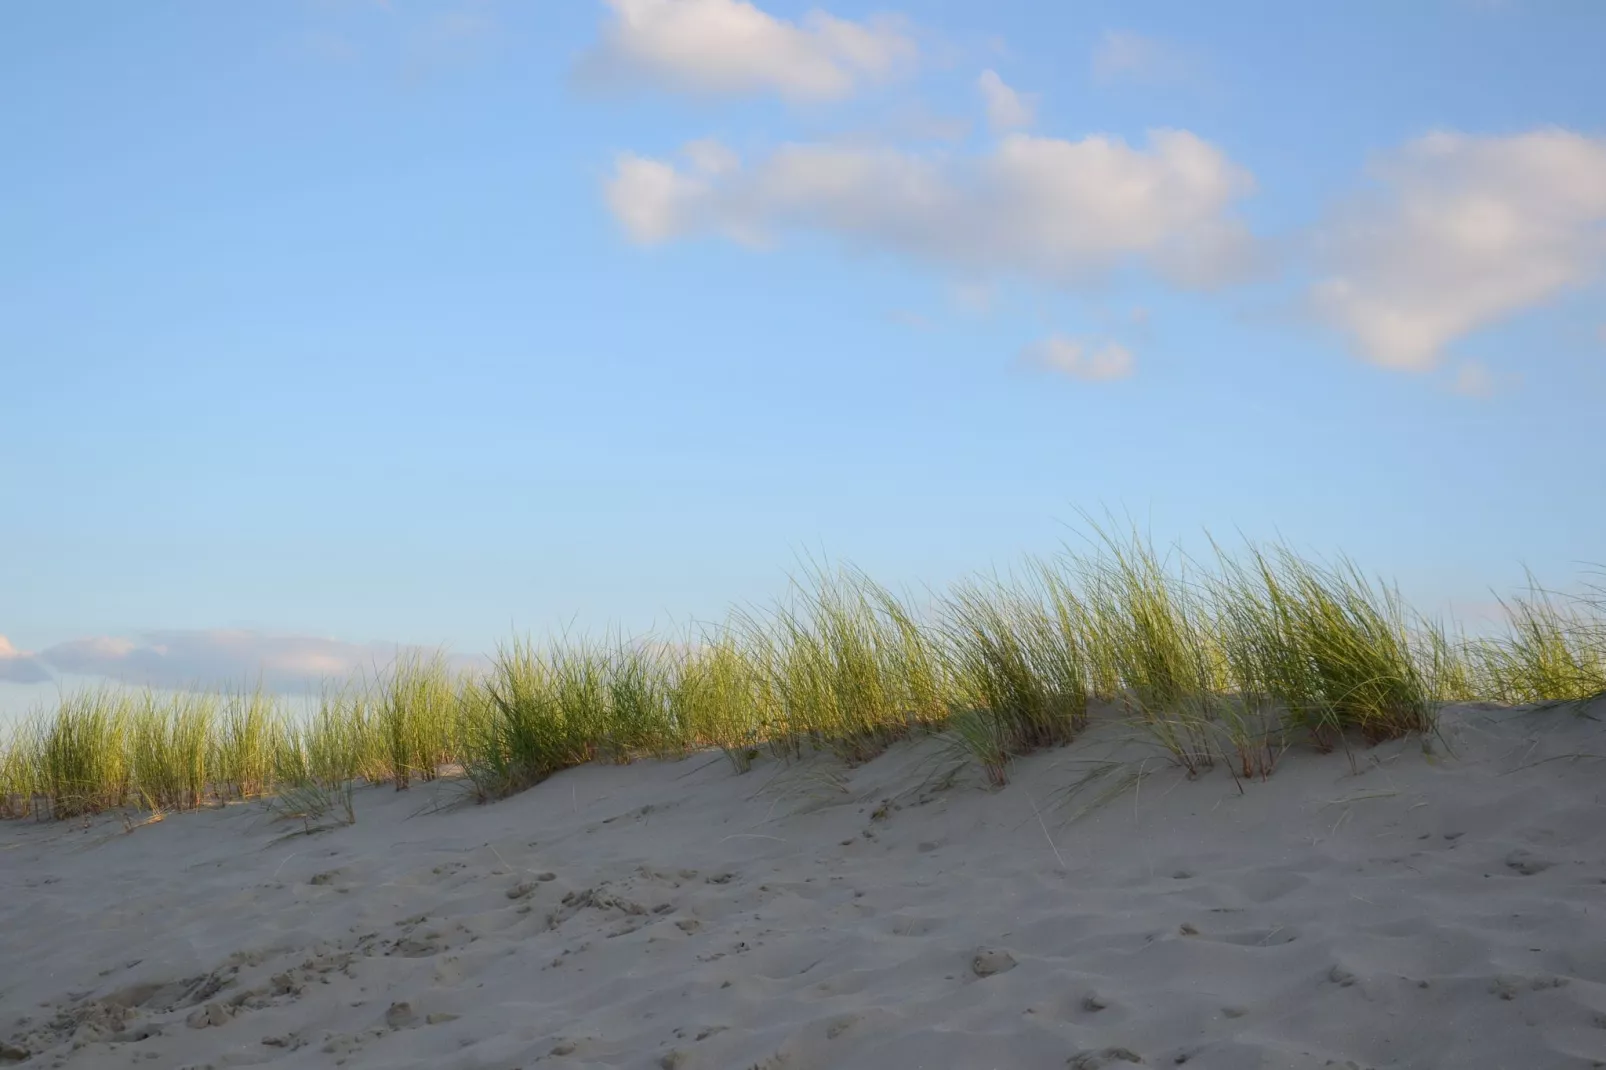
(1422, 912)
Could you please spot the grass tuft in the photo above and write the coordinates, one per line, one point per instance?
(1553, 651)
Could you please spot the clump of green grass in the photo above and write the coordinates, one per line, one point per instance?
(342, 741)
(845, 666)
(81, 761)
(545, 711)
(641, 719)
(249, 727)
(1339, 651)
(1018, 663)
(718, 698)
(1329, 649)
(1553, 651)
(19, 784)
(1447, 663)
(170, 744)
(918, 659)
(1152, 637)
(416, 704)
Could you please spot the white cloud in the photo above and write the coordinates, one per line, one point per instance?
(912, 121)
(19, 666)
(710, 157)
(976, 298)
(1006, 109)
(1088, 359)
(649, 197)
(1054, 210)
(1124, 56)
(731, 47)
(450, 38)
(1473, 380)
(1464, 232)
(217, 658)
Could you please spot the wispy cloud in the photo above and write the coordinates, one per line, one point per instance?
(1054, 210)
(975, 298)
(1092, 360)
(1122, 56)
(1463, 232)
(908, 318)
(908, 122)
(420, 42)
(450, 38)
(210, 658)
(1006, 108)
(19, 666)
(732, 48)
(1473, 380)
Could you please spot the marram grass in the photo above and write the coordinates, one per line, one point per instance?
(1225, 663)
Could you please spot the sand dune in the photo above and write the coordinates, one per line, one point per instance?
(1399, 907)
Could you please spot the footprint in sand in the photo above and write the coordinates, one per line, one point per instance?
(990, 962)
(1278, 934)
(1098, 1060)
(1527, 863)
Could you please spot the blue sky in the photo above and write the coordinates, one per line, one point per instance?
(331, 325)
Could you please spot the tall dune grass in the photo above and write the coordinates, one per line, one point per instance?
(82, 762)
(1230, 662)
(718, 698)
(1017, 656)
(249, 730)
(1154, 633)
(545, 710)
(415, 706)
(171, 750)
(1554, 650)
(843, 666)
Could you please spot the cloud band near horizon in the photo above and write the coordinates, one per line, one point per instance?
(204, 659)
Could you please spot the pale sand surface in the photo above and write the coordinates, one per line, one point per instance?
(1444, 910)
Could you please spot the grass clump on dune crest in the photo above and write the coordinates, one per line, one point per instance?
(718, 698)
(249, 728)
(82, 761)
(19, 780)
(343, 740)
(1333, 650)
(1552, 651)
(1020, 682)
(640, 717)
(1225, 664)
(415, 705)
(170, 750)
(843, 667)
(1152, 632)
(543, 711)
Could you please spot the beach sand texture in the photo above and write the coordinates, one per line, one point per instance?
(1398, 906)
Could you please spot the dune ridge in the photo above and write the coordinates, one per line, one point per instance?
(1430, 901)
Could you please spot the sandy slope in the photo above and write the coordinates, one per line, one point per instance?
(1444, 910)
